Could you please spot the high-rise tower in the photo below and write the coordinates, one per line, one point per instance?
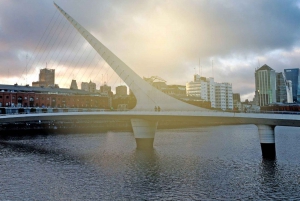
(46, 78)
(293, 74)
(265, 85)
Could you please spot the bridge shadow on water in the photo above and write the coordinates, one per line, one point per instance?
(43, 152)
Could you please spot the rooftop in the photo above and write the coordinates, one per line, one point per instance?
(27, 88)
(265, 67)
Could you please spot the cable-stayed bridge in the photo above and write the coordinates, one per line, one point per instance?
(144, 119)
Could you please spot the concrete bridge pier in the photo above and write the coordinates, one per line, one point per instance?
(144, 132)
(267, 141)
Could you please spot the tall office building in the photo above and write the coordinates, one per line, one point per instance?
(284, 92)
(46, 78)
(265, 85)
(224, 99)
(219, 94)
(88, 86)
(293, 74)
(121, 90)
(197, 88)
(73, 85)
(105, 89)
(281, 93)
(236, 97)
(211, 92)
(289, 91)
(228, 95)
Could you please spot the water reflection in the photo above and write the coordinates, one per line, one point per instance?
(42, 152)
(268, 169)
(144, 172)
(208, 163)
(269, 180)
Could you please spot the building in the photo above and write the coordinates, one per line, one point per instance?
(25, 96)
(88, 86)
(105, 89)
(121, 90)
(218, 94)
(265, 85)
(73, 85)
(46, 78)
(175, 90)
(211, 92)
(85, 86)
(293, 74)
(197, 88)
(156, 82)
(289, 89)
(281, 91)
(228, 95)
(237, 101)
(236, 97)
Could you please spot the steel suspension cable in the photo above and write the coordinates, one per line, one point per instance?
(25, 69)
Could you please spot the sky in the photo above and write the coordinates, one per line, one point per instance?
(172, 39)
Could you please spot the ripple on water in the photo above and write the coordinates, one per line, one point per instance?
(208, 163)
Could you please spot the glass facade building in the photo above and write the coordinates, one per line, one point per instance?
(281, 92)
(294, 75)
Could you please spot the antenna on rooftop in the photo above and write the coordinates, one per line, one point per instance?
(212, 67)
(199, 66)
(26, 68)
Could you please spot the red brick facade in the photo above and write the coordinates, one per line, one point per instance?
(31, 99)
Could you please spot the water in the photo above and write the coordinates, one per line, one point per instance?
(208, 163)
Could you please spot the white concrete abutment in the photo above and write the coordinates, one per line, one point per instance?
(267, 141)
(144, 132)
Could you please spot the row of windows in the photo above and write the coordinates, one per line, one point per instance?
(31, 98)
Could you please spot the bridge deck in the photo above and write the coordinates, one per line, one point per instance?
(201, 117)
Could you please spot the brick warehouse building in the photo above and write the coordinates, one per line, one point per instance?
(25, 96)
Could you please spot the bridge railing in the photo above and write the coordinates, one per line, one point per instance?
(32, 110)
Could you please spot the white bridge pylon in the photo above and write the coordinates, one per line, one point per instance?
(148, 97)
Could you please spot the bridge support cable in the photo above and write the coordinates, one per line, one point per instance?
(43, 53)
(65, 60)
(161, 100)
(76, 59)
(77, 65)
(62, 43)
(32, 59)
(267, 141)
(144, 132)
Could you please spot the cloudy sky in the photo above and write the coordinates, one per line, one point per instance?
(163, 38)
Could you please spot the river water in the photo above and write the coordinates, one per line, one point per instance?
(206, 163)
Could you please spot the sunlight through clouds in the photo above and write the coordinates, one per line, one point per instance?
(154, 38)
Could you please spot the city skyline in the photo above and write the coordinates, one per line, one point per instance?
(166, 39)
